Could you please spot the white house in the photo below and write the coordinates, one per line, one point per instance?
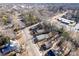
(66, 21)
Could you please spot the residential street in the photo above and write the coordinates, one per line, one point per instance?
(30, 46)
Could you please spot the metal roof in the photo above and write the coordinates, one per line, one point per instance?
(65, 20)
(43, 36)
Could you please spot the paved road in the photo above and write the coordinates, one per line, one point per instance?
(30, 46)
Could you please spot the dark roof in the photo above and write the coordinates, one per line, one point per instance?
(50, 53)
(7, 50)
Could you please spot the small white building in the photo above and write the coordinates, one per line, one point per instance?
(66, 21)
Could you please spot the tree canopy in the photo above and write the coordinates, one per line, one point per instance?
(4, 40)
(5, 19)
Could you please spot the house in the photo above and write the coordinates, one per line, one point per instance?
(46, 46)
(66, 21)
(7, 49)
(13, 46)
(40, 37)
(50, 53)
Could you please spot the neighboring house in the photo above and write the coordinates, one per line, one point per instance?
(50, 53)
(14, 46)
(66, 21)
(40, 37)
